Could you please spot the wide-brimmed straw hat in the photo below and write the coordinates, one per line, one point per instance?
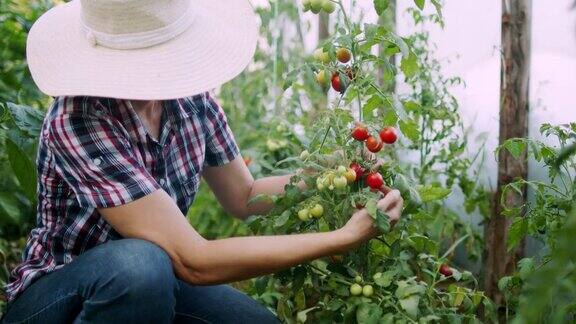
(141, 49)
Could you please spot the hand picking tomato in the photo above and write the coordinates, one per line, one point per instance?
(446, 270)
(388, 135)
(343, 55)
(337, 83)
(360, 133)
(358, 169)
(373, 144)
(374, 180)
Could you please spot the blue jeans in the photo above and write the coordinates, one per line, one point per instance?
(129, 281)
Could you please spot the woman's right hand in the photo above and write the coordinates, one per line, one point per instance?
(361, 225)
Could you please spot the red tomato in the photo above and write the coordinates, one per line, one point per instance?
(360, 133)
(358, 169)
(337, 84)
(388, 135)
(373, 144)
(374, 180)
(247, 160)
(446, 270)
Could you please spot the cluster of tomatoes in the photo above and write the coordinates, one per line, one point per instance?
(338, 80)
(319, 5)
(375, 144)
(356, 289)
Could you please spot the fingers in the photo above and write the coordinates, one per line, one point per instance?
(390, 200)
(385, 189)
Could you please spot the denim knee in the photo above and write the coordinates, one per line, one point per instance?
(139, 267)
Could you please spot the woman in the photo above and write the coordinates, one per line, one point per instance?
(121, 152)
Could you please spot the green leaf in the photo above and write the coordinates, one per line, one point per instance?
(382, 221)
(420, 4)
(368, 313)
(433, 192)
(516, 233)
(23, 168)
(410, 129)
(380, 6)
(410, 305)
(409, 65)
(282, 219)
(371, 104)
(515, 146)
(9, 207)
(525, 268)
(385, 279)
(27, 119)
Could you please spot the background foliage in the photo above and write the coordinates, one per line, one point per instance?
(277, 109)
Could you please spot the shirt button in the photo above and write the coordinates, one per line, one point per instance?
(162, 181)
(97, 161)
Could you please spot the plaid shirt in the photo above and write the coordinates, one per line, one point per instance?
(95, 152)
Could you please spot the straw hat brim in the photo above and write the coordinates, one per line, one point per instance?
(218, 46)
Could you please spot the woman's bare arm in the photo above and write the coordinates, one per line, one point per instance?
(156, 218)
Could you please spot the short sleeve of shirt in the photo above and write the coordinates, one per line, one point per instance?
(96, 159)
(221, 147)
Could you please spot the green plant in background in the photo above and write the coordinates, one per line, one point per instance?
(544, 288)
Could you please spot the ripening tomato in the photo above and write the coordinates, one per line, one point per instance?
(337, 83)
(374, 180)
(321, 77)
(373, 144)
(446, 270)
(360, 133)
(388, 135)
(343, 55)
(247, 160)
(350, 175)
(358, 169)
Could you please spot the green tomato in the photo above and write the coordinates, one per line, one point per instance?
(317, 211)
(304, 155)
(316, 5)
(321, 183)
(358, 279)
(306, 5)
(304, 214)
(341, 169)
(367, 291)
(377, 275)
(328, 6)
(355, 289)
(272, 145)
(340, 182)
